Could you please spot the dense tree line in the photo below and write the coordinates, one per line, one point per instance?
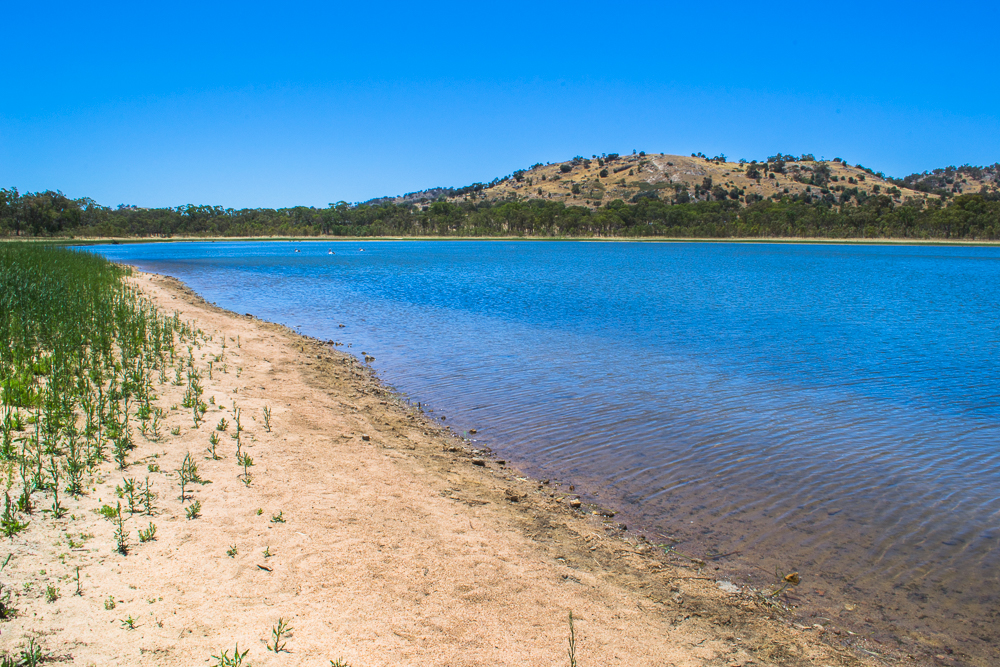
(840, 215)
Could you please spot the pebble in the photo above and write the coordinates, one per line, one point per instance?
(479, 462)
(575, 503)
(512, 496)
(727, 587)
(365, 438)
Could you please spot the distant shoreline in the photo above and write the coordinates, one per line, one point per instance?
(778, 240)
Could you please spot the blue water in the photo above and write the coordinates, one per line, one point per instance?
(831, 409)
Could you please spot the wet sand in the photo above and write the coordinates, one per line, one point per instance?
(380, 536)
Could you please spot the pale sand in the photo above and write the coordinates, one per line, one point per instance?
(396, 550)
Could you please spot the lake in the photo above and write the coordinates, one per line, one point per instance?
(828, 409)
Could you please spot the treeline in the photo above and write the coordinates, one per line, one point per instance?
(967, 216)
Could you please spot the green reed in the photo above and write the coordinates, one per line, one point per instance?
(81, 350)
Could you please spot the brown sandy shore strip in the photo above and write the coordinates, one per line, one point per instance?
(397, 544)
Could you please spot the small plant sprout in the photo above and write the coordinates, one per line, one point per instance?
(129, 623)
(121, 535)
(279, 517)
(339, 662)
(58, 511)
(147, 534)
(121, 452)
(9, 524)
(222, 425)
(79, 591)
(213, 441)
(132, 494)
(175, 430)
(147, 498)
(109, 604)
(154, 429)
(194, 510)
(232, 551)
(279, 632)
(7, 610)
(247, 463)
(31, 655)
(236, 661)
(267, 418)
(187, 474)
(267, 552)
(260, 510)
(51, 593)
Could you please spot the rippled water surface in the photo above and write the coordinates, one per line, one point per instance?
(829, 409)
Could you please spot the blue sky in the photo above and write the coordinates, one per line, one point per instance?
(255, 104)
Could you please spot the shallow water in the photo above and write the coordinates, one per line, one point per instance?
(828, 409)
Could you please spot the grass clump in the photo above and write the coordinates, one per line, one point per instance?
(31, 654)
(121, 535)
(147, 534)
(187, 474)
(223, 660)
(279, 633)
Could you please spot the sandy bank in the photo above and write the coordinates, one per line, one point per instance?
(380, 537)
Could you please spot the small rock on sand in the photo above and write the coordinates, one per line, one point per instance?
(575, 503)
(479, 462)
(727, 587)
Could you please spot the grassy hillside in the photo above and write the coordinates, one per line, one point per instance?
(599, 180)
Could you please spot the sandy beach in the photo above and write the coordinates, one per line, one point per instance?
(379, 536)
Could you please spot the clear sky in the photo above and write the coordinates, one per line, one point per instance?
(278, 104)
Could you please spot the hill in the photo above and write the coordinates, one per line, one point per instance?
(610, 195)
(678, 179)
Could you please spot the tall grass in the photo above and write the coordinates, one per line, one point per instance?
(80, 354)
